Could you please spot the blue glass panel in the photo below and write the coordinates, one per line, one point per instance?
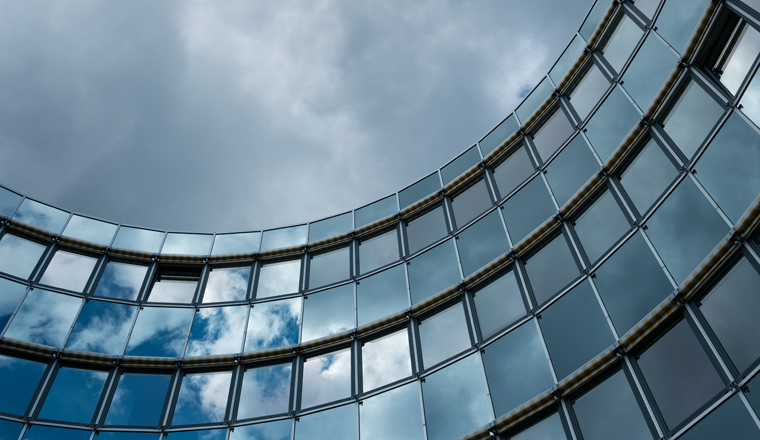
(610, 124)
(18, 257)
(121, 281)
(589, 91)
(568, 58)
(326, 378)
(328, 312)
(74, 395)
(143, 240)
(692, 117)
(498, 135)
(217, 330)
(138, 400)
(331, 227)
(329, 267)
(381, 294)
(594, 17)
(513, 171)
(385, 360)
(400, 407)
(111, 435)
(44, 318)
(10, 296)
(91, 230)
(528, 209)
(624, 39)
(460, 165)
(187, 244)
(443, 335)
(600, 226)
(378, 251)
(376, 211)
(334, 424)
(571, 169)
(648, 71)
(10, 430)
(534, 100)
(37, 432)
(160, 331)
(279, 278)
(18, 380)
(227, 284)
(41, 216)
(243, 243)
(731, 418)
(285, 237)
(678, 19)
(265, 391)
(273, 324)
(209, 434)
(202, 398)
(647, 177)
(419, 190)
(69, 271)
(481, 243)
(102, 327)
(279, 430)
(549, 428)
(8, 203)
(552, 134)
(551, 269)
(433, 271)
(498, 304)
(426, 229)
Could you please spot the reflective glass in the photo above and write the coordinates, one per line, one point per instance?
(498, 135)
(730, 418)
(740, 61)
(513, 171)
(751, 393)
(173, 289)
(91, 230)
(552, 134)
(400, 407)
(426, 229)
(381, 294)
(283, 238)
(19, 257)
(278, 278)
(680, 375)
(217, 330)
(678, 19)
(230, 244)
(684, 229)
(209, 434)
(41, 216)
(481, 243)
(728, 168)
(375, 211)
(692, 117)
(648, 7)
(279, 430)
(610, 124)
(10, 296)
(516, 368)
(329, 267)
(340, 224)
(102, 327)
(647, 177)
(459, 165)
(10, 430)
(571, 169)
(138, 400)
(74, 395)
(534, 100)
(419, 190)
(187, 244)
(551, 269)
(121, 281)
(386, 360)
(623, 40)
(548, 429)
(601, 226)
(593, 19)
(328, 312)
(378, 251)
(273, 324)
(8, 203)
(648, 71)
(498, 304)
(227, 284)
(114, 435)
(44, 318)
(18, 380)
(39, 432)
(265, 391)
(143, 240)
(69, 271)
(471, 203)
(568, 58)
(334, 424)
(611, 407)
(202, 398)
(456, 400)
(750, 102)
(433, 271)
(528, 209)
(443, 335)
(160, 331)
(326, 378)
(575, 330)
(589, 91)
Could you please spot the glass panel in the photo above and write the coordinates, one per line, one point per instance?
(482, 242)
(102, 327)
(202, 398)
(279, 430)
(471, 203)
(686, 125)
(38, 432)
(631, 283)
(549, 428)
(10, 430)
(568, 58)
(460, 383)
(528, 209)
(227, 284)
(334, 424)
(647, 177)
(278, 278)
(19, 257)
(386, 360)
(328, 312)
(69, 271)
(426, 229)
(18, 380)
(265, 391)
(552, 134)
(160, 331)
(419, 190)
(753, 397)
(121, 280)
(589, 91)
(684, 229)
(187, 244)
(610, 124)
(443, 335)
(378, 251)
(571, 169)
(273, 324)
(624, 39)
(498, 304)
(731, 418)
(648, 71)
(459, 165)
(728, 168)
(44, 318)
(677, 20)
(750, 102)
(400, 407)
(326, 378)
(375, 211)
(138, 400)
(209, 434)
(594, 18)
(41, 216)
(331, 227)
(648, 7)
(113, 435)
(381, 295)
(217, 330)
(74, 395)
(740, 60)
(243, 243)
(87, 229)
(551, 269)
(601, 226)
(732, 308)
(513, 171)
(498, 135)
(516, 368)
(433, 271)
(575, 330)
(534, 100)
(283, 238)
(679, 373)
(611, 407)
(142, 240)
(329, 267)
(10, 295)
(171, 288)
(8, 203)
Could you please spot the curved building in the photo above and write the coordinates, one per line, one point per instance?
(590, 269)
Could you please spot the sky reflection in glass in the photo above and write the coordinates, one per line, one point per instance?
(334, 424)
(279, 430)
(8, 203)
(622, 42)
(39, 432)
(18, 380)
(648, 71)
(482, 242)
(91, 230)
(326, 378)
(265, 391)
(589, 91)
(395, 414)
(285, 237)
(611, 123)
(498, 304)
(217, 330)
(329, 267)
(426, 229)
(74, 395)
(44, 318)
(273, 324)
(375, 211)
(227, 284)
(386, 360)
(160, 331)
(230, 244)
(692, 117)
(10, 296)
(498, 135)
(41, 216)
(187, 244)
(121, 281)
(169, 290)
(202, 398)
(138, 400)
(647, 177)
(471, 203)
(549, 428)
(381, 294)
(528, 209)
(208, 434)
(18, 257)
(102, 327)
(600, 226)
(143, 240)
(443, 335)
(340, 224)
(551, 269)
(513, 171)
(434, 270)
(328, 312)
(378, 251)
(69, 271)
(571, 169)
(10, 430)
(278, 278)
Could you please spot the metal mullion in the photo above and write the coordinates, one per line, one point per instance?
(546, 349)
(604, 309)
(643, 396)
(358, 377)
(575, 246)
(43, 262)
(518, 270)
(749, 408)
(43, 388)
(236, 379)
(542, 174)
(245, 328)
(148, 283)
(60, 233)
(200, 288)
(108, 391)
(570, 425)
(131, 329)
(590, 146)
(73, 323)
(689, 307)
(15, 311)
(172, 396)
(711, 201)
(459, 260)
(196, 310)
(499, 209)
(479, 354)
(422, 409)
(721, 400)
(664, 268)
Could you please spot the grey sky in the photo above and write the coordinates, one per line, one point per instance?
(239, 115)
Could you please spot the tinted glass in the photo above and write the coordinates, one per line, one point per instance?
(551, 269)
(751, 393)
(41, 216)
(202, 398)
(419, 190)
(326, 378)
(138, 239)
(244, 243)
(328, 312)
(677, 20)
(528, 209)
(740, 60)
(549, 428)
(498, 304)
(87, 229)
(102, 327)
(209, 434)
(273, 324)
(571, 169)
(138, 400)
(401, 406)
(227, 284)
(74, 395)
(647, 177)
(568, 58)
(731, 418)
(433, 271)
(460, 165)
(648, 71)
(10, 430)
(534, 100)
(381, 295)
(279, 430)
(173, 289)
(331, 227)
(8, 203)
(471, 203)
(375, 211)
(18, 257)
(443, 335)
(622, 42)
(18, 380)
(589, 91)
(329, 267)
(600, 226)
(38, 432)
(69, 271)
(113, 435)
(426, 229)
(278, 278)
(750, 102)
(217, 330)
(482, 242)
(333, 424)
(513, 171)
(283, 238)
(44, 318)
(265, 391)
(121, 280)
(648, 7)
(498, 135)
(160, 331)
(189, 244)
(378, 251)
(610, 124)
(386, 360)
(691, 119)
(552, 134)
(10, 296)
(594, 18)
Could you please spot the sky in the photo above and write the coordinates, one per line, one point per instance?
(228, 116)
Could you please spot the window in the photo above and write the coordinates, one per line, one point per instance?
(279, 278)
(329, 267)
(202, 398)
(74, 395)
(69, 271)
(160, 331)
(378, 251)
(381, 294)
(400, 406)
(527, 209)
(121, 281)
(217, 330)
(481, 243)
(102, 327)
(138, 400)
(328, 312)
(443, 335)
(385, 360)
(426, 229)
(44, 318)
(265, 391)
(552, 134)
(326, 378)
(227, 284)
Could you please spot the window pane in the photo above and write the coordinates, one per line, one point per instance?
(334, 424)
(589, 91)
(121, 280)
(326, 378)
(227, 284)
(552, 134)
(481, 243)
(648, 71)
(601, 226)
(433, 271)
(610, 124)
(549, 428)
(381, 294)
(375, 211)
(753, 397)
(513, 171)
(91, 230)
(459, 165)
(217, 330)
(19, 257)
(534, 100)
(44, 318)
(329, 267)
(278, 278)
(692, 118)
(395, 414)
(378, 251)
(283, 238)
(142, 240)
(568, 58)
(265, 391)
(41, 216)
(331, 227)
(571, 169)
(750, 102)
(202, 398)
(160, 331)
(38, 432)
(443, 335)
(74, 395)
(279, 430)
(456, 400)
(69, 271)
(10, 296)
(18, 380)
(528, 209)
(386, 360)
(740, 60)
(498, 304)
(113, 435)
(622, 42)
(648, 7)
(173, 289)
(731, 418)
(10, 430)
(594, 18)
(516, 368)
(498, 135)
(243, 243)
(8, 202)
(575, 330)
(426, 229)
(419, 190)
(209, 434)
(647, 177)
(677, 20)
(328, 312)
(138, 400)
(187, 244)
(551, 269)
(102, 327)
(471, 203)
(273, 324)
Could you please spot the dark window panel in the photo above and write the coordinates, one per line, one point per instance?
(375, 211)
(386, 360)
(426, 229)
(334, 424)
(498, 304)
(91, 230)
(273, 324)
(230, 244)
(471, 203)
(265, 391)
(589, 91)
(102, 327)
(647, 177)
(459, 165)
(752, 393)
(513, 171)
(568, 58)
(395, 414)
(692, 117)
(729, 419)
(498, 135)
(594, 18)
(69, 271)
(217, 330)
(433, 271)
(8, 202)
(326, 378)
(202, 398)
(534, 100)
(552, 134)
(10, 430)
(138, 400)
(227, 284)
(571, 169)
(750, 102)
(74, 395)
(121, 281)
(280, 278)
(443, 335)
(481, 243)
(381, 294)
(340, 224)
(283, 238)
(648, 71)
(143, 240)
(10, 296)
(18, 257)
(551, 269)
(600, 226)
(18, 380)
(378, 251)
(610, 124)
(739, 63)
(528, 209)
(187, 244)
(41, 216)
(328, 312)
(160, 331)
(279, 430)
(678, 19)
(549, 428)
(39, 432)
(419, 190)
(44, 318)
(624, 39)
(329, 267)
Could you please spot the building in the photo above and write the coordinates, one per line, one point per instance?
(589, 269)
